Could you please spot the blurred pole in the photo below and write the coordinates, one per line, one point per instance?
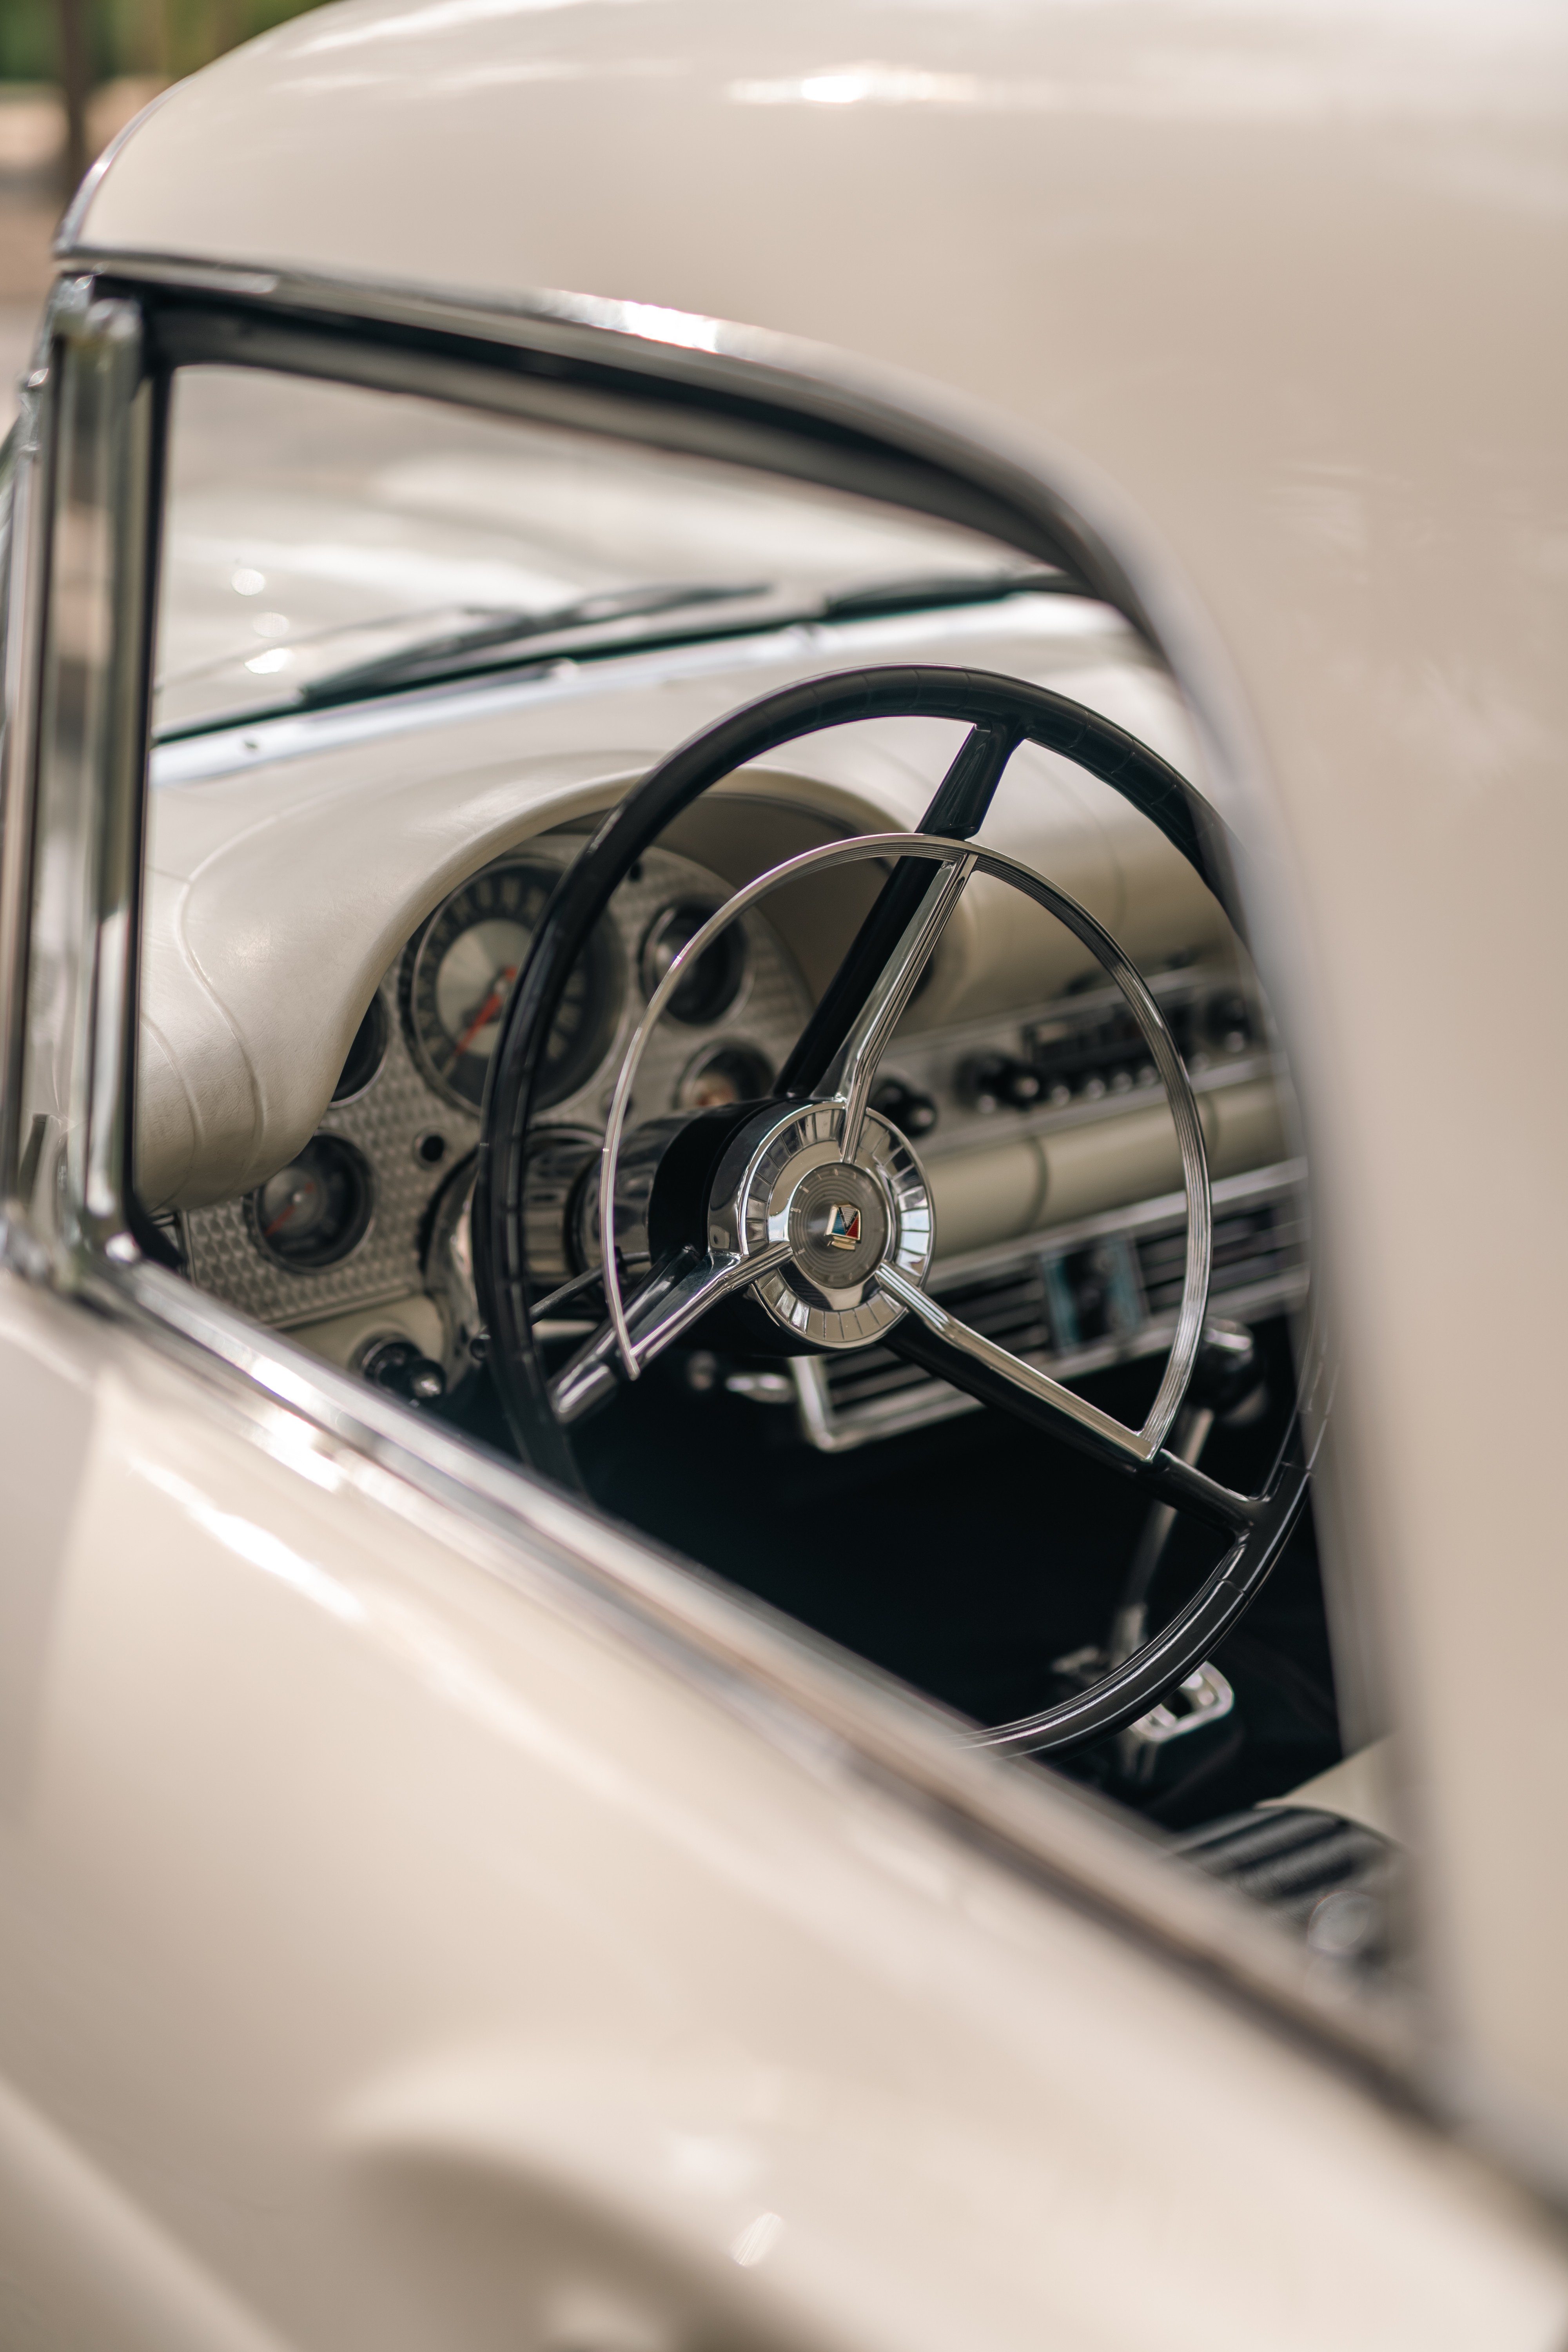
(223, 27)
(153, 46)
(76, 80)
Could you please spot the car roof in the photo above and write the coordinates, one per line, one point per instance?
(744, 159)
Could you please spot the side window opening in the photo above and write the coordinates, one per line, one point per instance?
(408, 655)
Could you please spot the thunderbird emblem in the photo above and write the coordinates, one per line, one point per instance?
(843, 1226)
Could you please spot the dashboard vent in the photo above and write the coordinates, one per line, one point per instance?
(1330, 1878)
(1250, 1245)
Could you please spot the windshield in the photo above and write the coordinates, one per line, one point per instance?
(323, 540)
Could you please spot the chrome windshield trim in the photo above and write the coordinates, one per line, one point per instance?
(29, 444)
(1039, 499)
(670, 350)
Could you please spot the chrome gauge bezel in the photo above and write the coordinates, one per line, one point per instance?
(389, 1118)
(359, 1225)
(725, 1048)
(604, 980)
(730, 951)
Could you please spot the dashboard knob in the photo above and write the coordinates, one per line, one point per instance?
(403, 1369)
(909, 1110)
(1001, 1079)
(1227, 1019)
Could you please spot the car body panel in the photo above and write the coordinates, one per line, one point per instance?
(1339, 488)
(421, 1960)
(257, 1661)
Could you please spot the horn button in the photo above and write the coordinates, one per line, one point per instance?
(838, 1226)
(783, 1181)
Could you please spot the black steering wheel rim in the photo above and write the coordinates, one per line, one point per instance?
(1001, 712)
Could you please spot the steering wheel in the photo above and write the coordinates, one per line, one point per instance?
(805, 1218)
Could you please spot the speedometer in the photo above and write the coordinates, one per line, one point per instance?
(459, 971)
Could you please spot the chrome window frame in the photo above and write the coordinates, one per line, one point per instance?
(672, 382)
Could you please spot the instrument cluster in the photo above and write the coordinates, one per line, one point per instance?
(346, 1227)
(361, 1241)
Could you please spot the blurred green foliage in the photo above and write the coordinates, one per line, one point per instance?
(166, 37)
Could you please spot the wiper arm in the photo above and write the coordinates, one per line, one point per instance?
(603, 624)
(926, 593)
(493, 639)
(435, 657)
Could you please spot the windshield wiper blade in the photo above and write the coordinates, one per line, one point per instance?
(929, 591)
(436, 656)
(605, 623)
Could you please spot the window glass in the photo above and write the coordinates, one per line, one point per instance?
(318, 532)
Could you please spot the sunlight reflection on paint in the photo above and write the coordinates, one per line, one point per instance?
(257, 1546)
(756, 2241)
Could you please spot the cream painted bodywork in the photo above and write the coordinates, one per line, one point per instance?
(1272, 292)
(510, 1937)
(438, 1967)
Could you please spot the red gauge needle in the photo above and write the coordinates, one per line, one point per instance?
(487, 1012)
(295, 1198)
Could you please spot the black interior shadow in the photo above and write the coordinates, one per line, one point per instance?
(966, 1557)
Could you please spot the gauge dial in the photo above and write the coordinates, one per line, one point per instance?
(459, 973)
(710, 988)
(315, 1211)
(725, 1075)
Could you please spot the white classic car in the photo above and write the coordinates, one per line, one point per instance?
(782, 1251)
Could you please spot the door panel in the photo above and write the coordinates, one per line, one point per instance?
(428, 1964)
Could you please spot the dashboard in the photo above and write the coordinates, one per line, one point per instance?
(1050, 1154)
(345, 1228)
(337, 905)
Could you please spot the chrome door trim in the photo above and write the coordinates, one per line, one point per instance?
(26, 586)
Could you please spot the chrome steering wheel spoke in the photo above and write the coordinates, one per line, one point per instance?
(890, 997)
(956, 813)
(885, 1001)
(664, 1305)
(942, 1343)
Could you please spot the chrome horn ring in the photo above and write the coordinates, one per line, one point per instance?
(750, 1241)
